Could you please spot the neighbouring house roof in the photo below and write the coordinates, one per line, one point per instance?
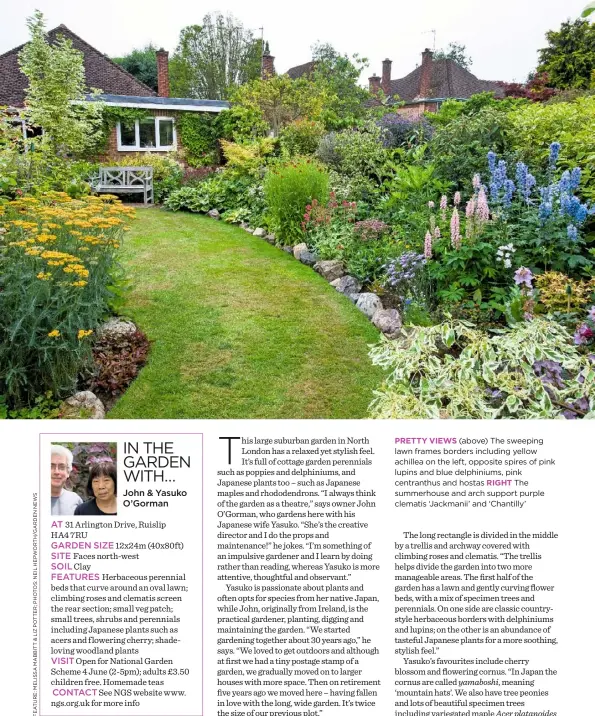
(304, 70)
(448, 80)
(100, 72)
(173, 103)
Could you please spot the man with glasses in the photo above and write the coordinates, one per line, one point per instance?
(64, 502)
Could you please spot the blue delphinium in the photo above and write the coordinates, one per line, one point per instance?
(509, 189)
(492, 162)
(572, 232)
(546, 207)
(525, 181)
(554, 154)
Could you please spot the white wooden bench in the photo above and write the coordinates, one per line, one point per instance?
(125, 180)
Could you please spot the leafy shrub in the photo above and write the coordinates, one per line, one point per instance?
(223, 190)
(399, 131)
(355, 152)
(454, 109)
(413, 185)
(200, 134)
(572, 124)
(247, 158)
(44, 407)
(168, 173)
(460, 147)
(300, 138)
(558, 292)
(288, 189)
(454, 370)
(57, 261)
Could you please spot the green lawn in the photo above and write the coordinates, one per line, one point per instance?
(239, 329)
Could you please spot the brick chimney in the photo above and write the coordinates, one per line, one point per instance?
(386, 70)
(425, 81)
(268, 64)
(162, 73)
(374, 84)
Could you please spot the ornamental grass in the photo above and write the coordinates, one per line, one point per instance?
(58, 270)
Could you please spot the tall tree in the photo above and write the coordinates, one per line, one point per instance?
(276, 102)
(457, 52)
(338, 77)
(213, 58)
(141, 63)
(56, 92)
(569, 58)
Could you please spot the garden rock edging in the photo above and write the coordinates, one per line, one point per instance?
(387, 320)
(83, 404)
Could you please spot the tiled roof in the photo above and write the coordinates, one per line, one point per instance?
(448, 80)
(100, 72)
(304, 70)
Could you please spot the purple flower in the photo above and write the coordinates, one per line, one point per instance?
(591, 314)
(584, 334)
(523, 277)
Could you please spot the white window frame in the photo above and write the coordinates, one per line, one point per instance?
(137, 147)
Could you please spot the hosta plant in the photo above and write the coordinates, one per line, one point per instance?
(454, 370)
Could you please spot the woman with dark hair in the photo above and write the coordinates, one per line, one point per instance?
(102, 484)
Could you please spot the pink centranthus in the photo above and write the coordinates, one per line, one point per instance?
(457, 198)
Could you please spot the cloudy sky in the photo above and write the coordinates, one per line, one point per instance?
(501, 37)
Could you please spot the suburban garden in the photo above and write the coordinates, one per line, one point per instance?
(314, 254)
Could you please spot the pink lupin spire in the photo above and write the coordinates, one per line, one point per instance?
(482, 210)
(455, 229)
(428, 245)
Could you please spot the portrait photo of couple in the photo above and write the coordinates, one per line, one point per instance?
(84, 479)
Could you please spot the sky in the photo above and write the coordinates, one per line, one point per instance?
(502, 38)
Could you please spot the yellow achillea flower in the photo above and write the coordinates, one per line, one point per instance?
(44, 276)
(53, 334)
(79, 283)
(33, 252)
(83, 334)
